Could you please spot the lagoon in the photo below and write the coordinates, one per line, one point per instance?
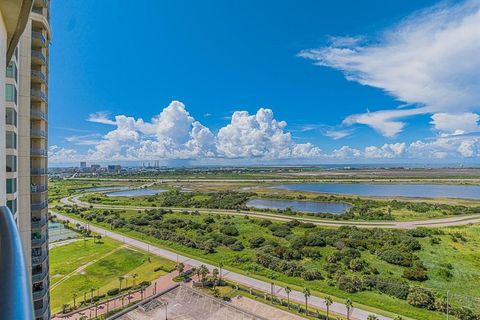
(301, 206)
(135, 192)
(389, 190)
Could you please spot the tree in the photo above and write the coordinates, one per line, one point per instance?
(120, 279)
(372, 317)
(328, 302)
(221, 267)
(288, 290)
(180, 267)
(216, 292)
(74, 300)
(134, 276)
(349, 306)
(203, 272)
(215, 274)
(420, 297)
(306, 293)
(65, 307)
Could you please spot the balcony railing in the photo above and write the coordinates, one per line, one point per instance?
(40, 293)
(41, 312)
(39, 205)
(39, 75)
(39, 259)
(38, 223)
(38, 171)
(36, 133)
(39, 94)
(40, 56)
(37, 10)
(39, 241)
(39, 276)
(39, 36)
(38, 152)
(39, 188)
(16, 301)
(37, 113)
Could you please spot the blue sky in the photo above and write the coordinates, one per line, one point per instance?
(351, 79)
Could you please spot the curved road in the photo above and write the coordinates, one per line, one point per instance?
(439, 222)
(297, 296)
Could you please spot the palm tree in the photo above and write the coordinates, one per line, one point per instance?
(120, 279)
(92, 290)
(328, 302)
(287, 291)
(306, 293)
(372, 317)
(74, 300)
(215, 274)
(180, 267)
(221, 267)
(65, 307)
(349, 306)
(203, 272)
(134, 276)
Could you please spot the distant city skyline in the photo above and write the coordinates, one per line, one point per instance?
(247, 83)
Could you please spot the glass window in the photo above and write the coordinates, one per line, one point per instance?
(12, 205)
(11, 140)
(10, 93)
(11, 116)
(12, 70)
(11, 163)
(11, 185)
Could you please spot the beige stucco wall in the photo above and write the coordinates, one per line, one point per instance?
(23, 200)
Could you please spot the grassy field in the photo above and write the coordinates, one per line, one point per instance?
(76, 269)
(460, 254)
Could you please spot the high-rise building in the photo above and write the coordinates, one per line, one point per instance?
(25, 37)
(83, 164)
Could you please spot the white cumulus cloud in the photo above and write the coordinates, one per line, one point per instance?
(430, 60)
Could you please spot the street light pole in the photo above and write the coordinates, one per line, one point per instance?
(448, 309)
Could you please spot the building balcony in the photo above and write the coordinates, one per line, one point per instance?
(38, 171)
(38, 95)
(36, 133)
(37, 114)
(39, 76)
(39, 152)
(39, 188)
(39, 39)
(39, 57)
(36, 277)
(36, 260)
(43, 312)
(38, 222)
(39, 205)
(38, 294)
(38, 241)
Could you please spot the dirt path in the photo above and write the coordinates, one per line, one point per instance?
(81, 268)
(436, 222)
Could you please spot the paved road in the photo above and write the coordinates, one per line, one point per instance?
(338, 308)
(439, 222)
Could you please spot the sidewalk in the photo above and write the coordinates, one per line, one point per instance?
(158, 285)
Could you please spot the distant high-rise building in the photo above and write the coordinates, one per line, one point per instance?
(83, 164)
(24, 52)
(114, 168)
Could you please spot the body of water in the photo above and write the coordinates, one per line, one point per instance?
(135, 192)
(106, 188)
(301, 206)
(389, 190)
